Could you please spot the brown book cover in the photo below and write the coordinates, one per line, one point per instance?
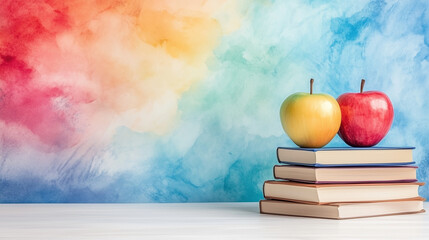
(340, 185)
(345, 175)
(342, 210)
(331, 193)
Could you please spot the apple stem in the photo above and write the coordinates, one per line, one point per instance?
(362, 83)
(311, 86)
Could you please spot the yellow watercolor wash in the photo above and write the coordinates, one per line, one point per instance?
(188, 37)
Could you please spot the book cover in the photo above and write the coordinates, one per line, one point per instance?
(345, 175)
(342, 210)
(346, 156)
(345, 148)
(331, 193)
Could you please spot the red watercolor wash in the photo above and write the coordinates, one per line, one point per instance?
(23, 101)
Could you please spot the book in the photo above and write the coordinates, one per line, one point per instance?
(342, 210)
(349, 156)
(345, 174)
(330, 193)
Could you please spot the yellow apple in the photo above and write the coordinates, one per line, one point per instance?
(310, 120)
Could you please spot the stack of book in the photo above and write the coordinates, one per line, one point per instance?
(343, 183)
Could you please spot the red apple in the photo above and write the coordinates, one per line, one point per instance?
(366, 117)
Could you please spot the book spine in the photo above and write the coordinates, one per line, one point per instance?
(274, 172)
(277, 152)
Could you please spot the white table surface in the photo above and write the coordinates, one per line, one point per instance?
(192, 221)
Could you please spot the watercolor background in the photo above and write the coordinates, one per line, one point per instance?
(178, 101)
